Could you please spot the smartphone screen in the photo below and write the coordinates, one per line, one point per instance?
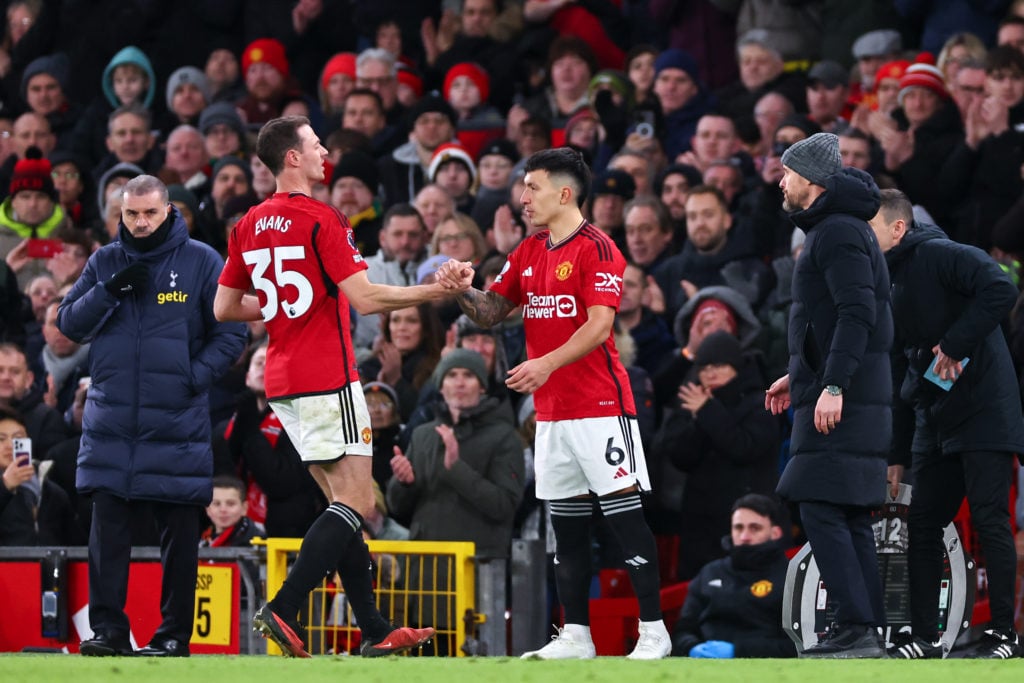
(40, 248)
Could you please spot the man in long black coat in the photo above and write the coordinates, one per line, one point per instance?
(948, 300)
(839, 384)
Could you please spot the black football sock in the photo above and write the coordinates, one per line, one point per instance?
(356, 571)
(321, 548)
(625, 515)
(571, 520)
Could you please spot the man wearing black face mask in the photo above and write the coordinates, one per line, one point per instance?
(734, 605)
(145, 302)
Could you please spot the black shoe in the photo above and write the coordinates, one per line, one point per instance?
(286, 634)
(853, 641)
(997, 645)
(102, 645)
(908, 646)
(164, 647)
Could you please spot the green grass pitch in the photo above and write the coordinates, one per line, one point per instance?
(35, 668)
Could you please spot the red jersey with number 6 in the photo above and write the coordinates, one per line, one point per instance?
(292, 250)
(556, 284)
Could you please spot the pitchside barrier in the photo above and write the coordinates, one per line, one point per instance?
(418, 583)
(45, 594)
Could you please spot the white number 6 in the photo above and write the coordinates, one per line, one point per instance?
(260, 260)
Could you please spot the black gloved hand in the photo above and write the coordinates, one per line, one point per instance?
(128, 280)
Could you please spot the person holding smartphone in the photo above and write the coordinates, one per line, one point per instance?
(32, 213)
(33, 511)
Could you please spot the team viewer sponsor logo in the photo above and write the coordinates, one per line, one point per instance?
(608, 282)
(549, 306)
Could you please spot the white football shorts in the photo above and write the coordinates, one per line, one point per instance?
(325, 427)
(595, 454)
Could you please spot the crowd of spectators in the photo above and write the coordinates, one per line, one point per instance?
(428, 109)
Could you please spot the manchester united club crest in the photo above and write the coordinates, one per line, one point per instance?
(761, 588)
(563, 270)
(367, 435)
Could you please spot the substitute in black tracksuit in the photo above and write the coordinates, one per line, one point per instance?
(948, 301)
(733, 606)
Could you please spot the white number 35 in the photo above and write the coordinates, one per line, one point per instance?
(260, 260)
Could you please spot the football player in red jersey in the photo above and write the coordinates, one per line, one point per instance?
(568, 278)
(300, 256)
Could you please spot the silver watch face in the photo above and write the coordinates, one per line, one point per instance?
(834, 390)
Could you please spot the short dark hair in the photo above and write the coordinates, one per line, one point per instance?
(766, 506)
(404, 210)
(896, 206)
(348, 140)
(229, 481)
(713, 191)
(9, 413)
(1004, 58)
(276, 137)
(856, 134)
(372, 94)
(566, 162)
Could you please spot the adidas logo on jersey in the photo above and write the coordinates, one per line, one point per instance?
(620, 473)
(528, 272)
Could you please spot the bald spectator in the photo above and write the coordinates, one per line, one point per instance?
(186, 161)
(434, 205)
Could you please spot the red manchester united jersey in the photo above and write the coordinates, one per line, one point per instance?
(292, 250)
(555, 285)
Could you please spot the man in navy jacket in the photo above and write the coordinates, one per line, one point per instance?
(145, 302)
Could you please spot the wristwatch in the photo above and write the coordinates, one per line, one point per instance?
(834, 389)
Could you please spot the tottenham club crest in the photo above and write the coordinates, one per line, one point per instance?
(174, 276)
(563, 270)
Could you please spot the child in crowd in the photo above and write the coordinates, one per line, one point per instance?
(227, 512)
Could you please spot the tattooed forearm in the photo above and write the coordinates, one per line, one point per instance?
(484, 308)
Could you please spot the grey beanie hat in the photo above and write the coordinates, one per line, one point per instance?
(816, 158)
(461, 358)
(187, 74)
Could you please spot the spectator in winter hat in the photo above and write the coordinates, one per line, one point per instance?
(453, 170)
(187, 93)
(30, 211)
(44, 87)
(410, 85)
(467, 87)
(354, 186)
(872, 50)
(494, 169)
(336, 82)
(609, 193)
(887, 86)
(223, 130)
(265, 71)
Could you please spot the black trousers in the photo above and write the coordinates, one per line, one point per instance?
(110, 545)
(844, 548)
(941, 482)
